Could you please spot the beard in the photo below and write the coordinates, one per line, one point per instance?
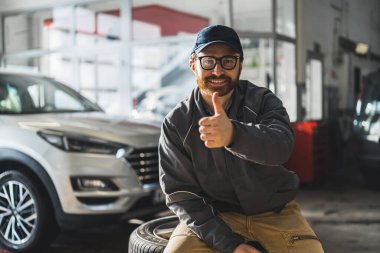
(206, 86)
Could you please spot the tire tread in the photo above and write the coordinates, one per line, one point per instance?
(140, 239)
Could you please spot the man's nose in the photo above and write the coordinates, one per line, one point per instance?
(218, 70)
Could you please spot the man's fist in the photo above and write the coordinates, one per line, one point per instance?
(216, 131)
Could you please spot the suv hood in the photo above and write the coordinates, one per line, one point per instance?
(95, 124)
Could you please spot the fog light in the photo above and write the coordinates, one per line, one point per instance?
(93, 184)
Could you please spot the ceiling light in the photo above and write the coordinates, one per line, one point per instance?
(361, 48)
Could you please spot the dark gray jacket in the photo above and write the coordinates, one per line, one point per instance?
(246, 176)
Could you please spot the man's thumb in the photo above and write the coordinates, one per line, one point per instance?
(218, 109)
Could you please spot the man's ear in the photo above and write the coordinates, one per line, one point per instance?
(192, 65)
(192, 62)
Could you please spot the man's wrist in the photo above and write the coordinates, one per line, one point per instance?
(230, 135)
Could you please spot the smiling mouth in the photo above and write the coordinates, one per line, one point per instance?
(217, 82)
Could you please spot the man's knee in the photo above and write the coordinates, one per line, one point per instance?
(185, 241)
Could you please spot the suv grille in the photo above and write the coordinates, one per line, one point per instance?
(145, 162)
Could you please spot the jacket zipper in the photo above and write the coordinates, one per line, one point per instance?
(296, 238)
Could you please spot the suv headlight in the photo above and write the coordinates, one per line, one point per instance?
(79, 143)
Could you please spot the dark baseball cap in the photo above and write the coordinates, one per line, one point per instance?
(218, 34)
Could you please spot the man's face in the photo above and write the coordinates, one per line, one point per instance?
(217, 79)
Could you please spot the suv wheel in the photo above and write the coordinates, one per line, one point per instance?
(27, 223)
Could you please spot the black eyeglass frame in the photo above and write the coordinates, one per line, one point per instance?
(220, 59)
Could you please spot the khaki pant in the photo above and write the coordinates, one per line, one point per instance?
(287, 231)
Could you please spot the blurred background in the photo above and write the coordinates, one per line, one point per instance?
(321, 57)
(121, 53)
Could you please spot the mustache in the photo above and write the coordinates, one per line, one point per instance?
(218, 77)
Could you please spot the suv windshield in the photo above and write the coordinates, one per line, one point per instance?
(20, 94)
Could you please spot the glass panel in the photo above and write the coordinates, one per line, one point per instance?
(252, 15)
(97, 23)
(28, 31)
(286, 83)
(258, 62)
(313, 94)
(87, 73)
(61, 67)
(16, 33)
(161, 77)
(58, 27)
(56, 38)
(108, 101)
(160, 18)
(22, 63)
(109, 72)
(48, 29)
(100, 79)
(285, 18)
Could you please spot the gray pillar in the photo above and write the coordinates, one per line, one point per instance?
(75, 58)
(229, 13)
(2, 49)
(125, 87)
(274, 30)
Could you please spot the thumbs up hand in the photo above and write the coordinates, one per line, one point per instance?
(216, 131)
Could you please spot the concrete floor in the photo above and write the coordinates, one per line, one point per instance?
(344, 214)
(345, 220)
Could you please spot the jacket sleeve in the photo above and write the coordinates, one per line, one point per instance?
(184, 196)
(269, 140)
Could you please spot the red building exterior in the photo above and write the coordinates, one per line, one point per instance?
(171, 21)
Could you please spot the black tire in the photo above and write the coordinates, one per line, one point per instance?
(152, 236)
(27, 222)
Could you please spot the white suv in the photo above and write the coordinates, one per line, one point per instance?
(64, 163)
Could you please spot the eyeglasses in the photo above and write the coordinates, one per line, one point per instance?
(227, 62)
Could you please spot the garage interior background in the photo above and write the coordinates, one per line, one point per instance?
(131, 56)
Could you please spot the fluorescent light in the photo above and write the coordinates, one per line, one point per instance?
(361, 48)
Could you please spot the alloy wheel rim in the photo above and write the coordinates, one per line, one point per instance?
(18, 216)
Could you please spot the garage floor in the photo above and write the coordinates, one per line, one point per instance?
(344, 214)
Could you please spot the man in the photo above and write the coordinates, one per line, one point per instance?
(221, 152)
